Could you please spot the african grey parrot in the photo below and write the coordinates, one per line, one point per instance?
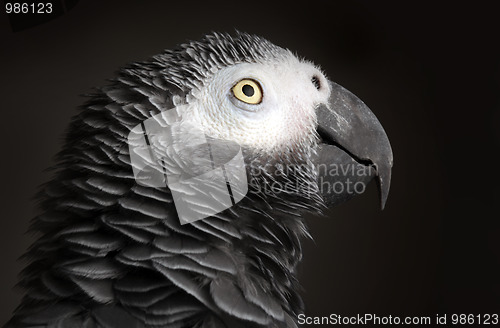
(113, 252)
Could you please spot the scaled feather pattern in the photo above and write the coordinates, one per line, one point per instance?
(112, 253)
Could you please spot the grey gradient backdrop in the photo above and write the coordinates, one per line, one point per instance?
(430, 74)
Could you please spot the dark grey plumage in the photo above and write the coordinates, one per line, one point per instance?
(113, 254)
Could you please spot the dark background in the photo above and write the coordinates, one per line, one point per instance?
(430, 73)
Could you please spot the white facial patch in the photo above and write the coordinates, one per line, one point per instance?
(291, 90)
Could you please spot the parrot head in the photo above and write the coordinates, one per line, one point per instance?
(286, 113)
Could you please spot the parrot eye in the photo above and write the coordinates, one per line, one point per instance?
(248, 91)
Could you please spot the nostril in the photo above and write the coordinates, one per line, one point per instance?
(315, 81)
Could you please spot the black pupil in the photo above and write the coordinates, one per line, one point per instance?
(248, 90)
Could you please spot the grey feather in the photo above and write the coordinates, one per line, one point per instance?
(231, 300)
(99, 290)
(98, 268)
(57, 285)
(215, 259)
(183, 263)
(177, 245)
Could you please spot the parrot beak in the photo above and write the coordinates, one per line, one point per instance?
(353, 140)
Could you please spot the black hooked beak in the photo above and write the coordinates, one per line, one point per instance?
(354, 143)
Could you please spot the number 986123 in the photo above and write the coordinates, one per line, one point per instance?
(28, 8)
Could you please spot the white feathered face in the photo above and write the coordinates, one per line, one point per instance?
(265, 106)
(279, 108)
(285, 110)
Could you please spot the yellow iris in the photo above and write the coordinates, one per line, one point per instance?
(248, 91)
